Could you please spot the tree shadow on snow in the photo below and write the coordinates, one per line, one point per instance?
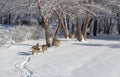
(109, 45)
(24, 53)
(30, 45)
(24, 44)
(92, 44)
(106, 37)
(115, 46)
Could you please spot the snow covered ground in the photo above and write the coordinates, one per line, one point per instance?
(94, 58)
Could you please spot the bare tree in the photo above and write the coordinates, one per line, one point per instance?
(87, 20)
(79, 32)
(45, 16)
(60, 25)
(75, 9)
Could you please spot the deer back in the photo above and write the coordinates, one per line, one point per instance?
(71, 36)
(57, 43)
(44, 47)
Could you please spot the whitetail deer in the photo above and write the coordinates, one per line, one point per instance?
(35, 49)
(57, 43)
(71, 36)
(44, 48)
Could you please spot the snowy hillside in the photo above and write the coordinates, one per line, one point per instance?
(94, 58)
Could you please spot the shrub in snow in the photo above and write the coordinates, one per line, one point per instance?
(3, 38)
(20, 33)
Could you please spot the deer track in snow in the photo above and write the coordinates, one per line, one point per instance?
(21, 66)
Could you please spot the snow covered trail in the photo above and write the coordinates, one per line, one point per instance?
(24, 58)
(15, 58)
(79, 60)
(21, 66)
(94, 58)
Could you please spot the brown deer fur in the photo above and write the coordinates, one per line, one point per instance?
(71, 36)
(35, 49)
(44, 48)
(57, 43)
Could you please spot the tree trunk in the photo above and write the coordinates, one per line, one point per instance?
(66, 24)
(82, 28)
(106, 26)
(95, 28)
(60, 25)
(67, 20)
(47, 34)
(99, 26)
(64, 28)
(104, 23)
(70, 27)
(79, 33)
(91, 19)
(118, 22)
(45, 18)
(9, 18)
(110, 25)
(73, 30)
(86, 27)
(56, 32)
(87, 21)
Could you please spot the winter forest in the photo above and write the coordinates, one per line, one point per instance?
(79, 17)
(70, 31)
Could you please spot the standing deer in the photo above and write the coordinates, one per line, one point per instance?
(71, 36)
(57, 43)
(35, 49)
(44, 48)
